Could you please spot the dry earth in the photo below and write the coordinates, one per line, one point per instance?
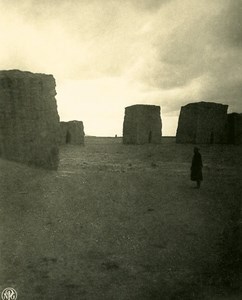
(123, 222)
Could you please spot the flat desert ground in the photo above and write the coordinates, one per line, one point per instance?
(123, 222)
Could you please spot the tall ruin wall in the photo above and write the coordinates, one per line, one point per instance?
(142, 124)
(72, 132)
(235, 128)
(203, 123)
(29, 121)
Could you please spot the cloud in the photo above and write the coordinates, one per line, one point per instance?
(76, 39)
(148, 4)
(229, 27)
(202, 46)
(168, 52)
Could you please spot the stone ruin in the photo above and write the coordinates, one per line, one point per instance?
(234, 128)
(203, 123)
(29, 121)
(72, 132)
(142, 124)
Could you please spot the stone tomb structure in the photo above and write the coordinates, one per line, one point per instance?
(142, 124)
(29, 121)
(72, 132)
(202, 123)
(235, 128)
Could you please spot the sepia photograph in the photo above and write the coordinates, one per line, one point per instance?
(120, 149)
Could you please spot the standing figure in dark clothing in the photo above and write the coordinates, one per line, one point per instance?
(196, 168)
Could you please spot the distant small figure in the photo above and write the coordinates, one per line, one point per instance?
(116, 135)
(196, 168)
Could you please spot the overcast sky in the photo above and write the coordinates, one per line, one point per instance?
(106, 55)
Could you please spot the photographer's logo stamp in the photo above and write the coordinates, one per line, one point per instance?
(9, 294)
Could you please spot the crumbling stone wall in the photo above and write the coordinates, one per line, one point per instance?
(235, 128)
(202, 122)
(142, 124)
(29, 121)
(72, 132)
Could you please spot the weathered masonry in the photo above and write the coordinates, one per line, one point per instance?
(29, 121)
(235, 128)
(202, 122)
(72, 132)
(142, 124)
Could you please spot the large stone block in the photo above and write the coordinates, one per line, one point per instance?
(29, 121)
(72, 132)
(142, 124)
(202, 123)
